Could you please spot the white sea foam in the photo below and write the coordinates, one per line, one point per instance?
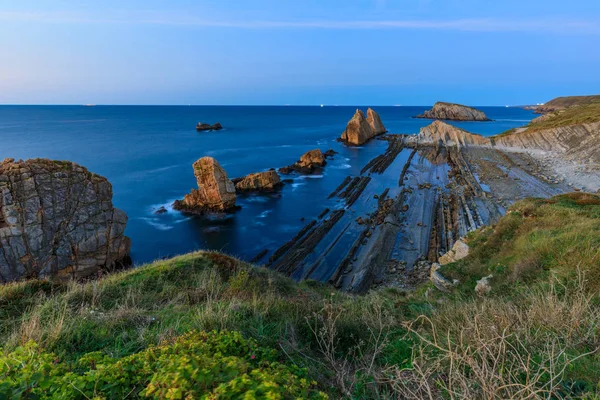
(264, 213)
(155, 224)
(342, 166)
(310, 176)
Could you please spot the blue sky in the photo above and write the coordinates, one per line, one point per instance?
(367, 52)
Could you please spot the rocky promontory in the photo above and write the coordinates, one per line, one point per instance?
(439, 132)
(308, 163)
(360, 130)
(57, 220)
(267, 181)
(454, 112)
(201, 126)
(215, 193)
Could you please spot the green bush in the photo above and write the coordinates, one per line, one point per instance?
(197, 365)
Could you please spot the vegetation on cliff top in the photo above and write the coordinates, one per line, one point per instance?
(208, 324)
(583, 114)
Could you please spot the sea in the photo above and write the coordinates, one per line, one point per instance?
(147, 152)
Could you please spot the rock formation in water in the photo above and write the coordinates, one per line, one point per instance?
(440, 132)
(454, 112)
(360, 130)
(57, 220)
(267, 181)
(308, 163)
(375, 122)
(215, 193)
(201, 126)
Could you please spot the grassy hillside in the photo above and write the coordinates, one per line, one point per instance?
(560, 103)
(208, 324)
(576, 115)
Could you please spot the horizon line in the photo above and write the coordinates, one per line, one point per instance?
(481, 24)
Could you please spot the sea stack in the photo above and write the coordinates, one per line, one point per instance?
(360, 130)
(308, 163)
(215, 193)
(454, 112)
(57, 220)
(267, 181)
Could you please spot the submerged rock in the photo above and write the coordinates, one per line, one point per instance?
(454, 112)
(360, 130)
(267, 181)
(308, 163)
(57, 220)
(215, 191)
(201, 126)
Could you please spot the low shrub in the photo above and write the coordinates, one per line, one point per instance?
(197, 365)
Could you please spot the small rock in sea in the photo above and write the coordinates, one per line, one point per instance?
(161, 210)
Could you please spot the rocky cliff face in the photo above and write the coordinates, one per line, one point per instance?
(259, 182)
(57, 220)
(454, 112)
(215, 191)
(442, 133)
(577, 142)
(360, 130)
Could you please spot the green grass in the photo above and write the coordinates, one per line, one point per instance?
(543, 255)
(584, 114)
(576, 115)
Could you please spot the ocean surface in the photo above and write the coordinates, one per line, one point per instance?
(147, 152)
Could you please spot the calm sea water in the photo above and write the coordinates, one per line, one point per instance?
(147, 151)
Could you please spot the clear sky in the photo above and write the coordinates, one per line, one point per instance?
(356, 52)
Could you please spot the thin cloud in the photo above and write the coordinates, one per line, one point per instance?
(473, 24)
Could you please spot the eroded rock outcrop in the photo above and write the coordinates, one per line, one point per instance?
(360, 130)
(267, 181)
(442, 133)
(201, 126)
(459, 251)
(454, 112)
(215, 193)
(309, 162)
(57, 220)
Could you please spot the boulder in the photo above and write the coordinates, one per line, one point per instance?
(459, 251)
(215, 193)
(308, 163)
(483, 286)
(440, 281)
(57, 220)
(360, 130)
(267, 181)
(454, 112)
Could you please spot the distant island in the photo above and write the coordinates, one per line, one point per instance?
(453, 112)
